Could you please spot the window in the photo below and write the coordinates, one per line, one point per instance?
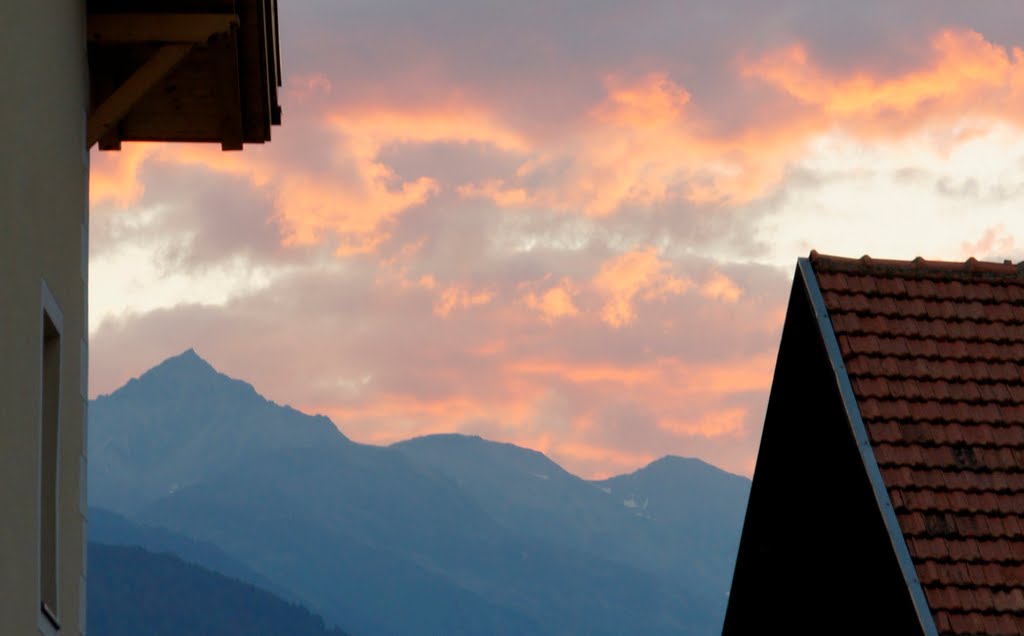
(48, 462)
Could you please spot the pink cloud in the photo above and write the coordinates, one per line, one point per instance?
(721, 287)
(455, 297)
(639, 273)
(994, 244)
(555, 302)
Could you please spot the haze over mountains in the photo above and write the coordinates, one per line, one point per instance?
(133, 591)
(443, 534)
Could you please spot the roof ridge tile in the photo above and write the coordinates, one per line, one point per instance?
(914, 268)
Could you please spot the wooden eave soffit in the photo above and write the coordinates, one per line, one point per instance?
(176, 33)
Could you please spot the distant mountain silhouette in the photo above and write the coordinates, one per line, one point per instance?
(133, 592)
(179, 423)
(677, 517)
(110, 528)
(695, 514)
(437, 535)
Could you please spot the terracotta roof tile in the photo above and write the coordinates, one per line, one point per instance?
(935, 355)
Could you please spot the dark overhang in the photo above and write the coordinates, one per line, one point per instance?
(183, 70)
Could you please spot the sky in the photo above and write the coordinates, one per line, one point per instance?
(572, 224)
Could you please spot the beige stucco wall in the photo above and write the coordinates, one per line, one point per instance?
(43, 224)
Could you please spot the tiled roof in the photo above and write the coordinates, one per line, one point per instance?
(934, 354)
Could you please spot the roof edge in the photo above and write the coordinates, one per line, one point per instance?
(867, 454)
(919, 267)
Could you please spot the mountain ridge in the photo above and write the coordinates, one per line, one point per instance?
(134, 591)
(487, 537)
(191, 361)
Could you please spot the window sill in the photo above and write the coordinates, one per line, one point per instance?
(47, 623)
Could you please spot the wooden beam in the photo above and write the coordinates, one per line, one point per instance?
(230, 92)
(106, 116)
(158, 28)
(111, 140)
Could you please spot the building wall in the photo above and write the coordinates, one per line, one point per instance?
(43, 229)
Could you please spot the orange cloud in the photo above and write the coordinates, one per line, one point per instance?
(721, 287)
(496, 191)
(651, 140)
(372, 128)
(623, 375)
(556, 302)
(651, 104)
(398, 408)
(613, 461)
(663, 385)
(310, 208)
(456, 297)
(727, 422)
(314, 207)
(671, 377)
(637, 273)
(967, 76)
(114, 176)
(646, 142)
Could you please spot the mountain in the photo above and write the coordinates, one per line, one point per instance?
(439, 535)
(360, 532)
(110, 528)
(132, 591)
(695, 514)
(678, 517)
(521, 488)
(180, 422)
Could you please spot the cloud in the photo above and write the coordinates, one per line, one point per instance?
(637, 273)
(343, 172)
(995, 244)
(728, 422)
(966, 75)
(386, 364)
(560, 225)
(643, 144)
(556, 302)
(721, 287)
(114, 177)
(455, 297)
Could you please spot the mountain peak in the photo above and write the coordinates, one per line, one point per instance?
(184, 373)
(183, 417)
(187, 358)
(189, 353)
(676, 463)
(676, 460)
(673, 469)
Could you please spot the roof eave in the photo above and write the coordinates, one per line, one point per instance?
(865, 450)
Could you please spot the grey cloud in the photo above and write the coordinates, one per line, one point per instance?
(199, 218)
(449, 162)
(971, 189)
(965, 189)
(542, 63)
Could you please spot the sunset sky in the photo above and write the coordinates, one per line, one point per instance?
(570, 224)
